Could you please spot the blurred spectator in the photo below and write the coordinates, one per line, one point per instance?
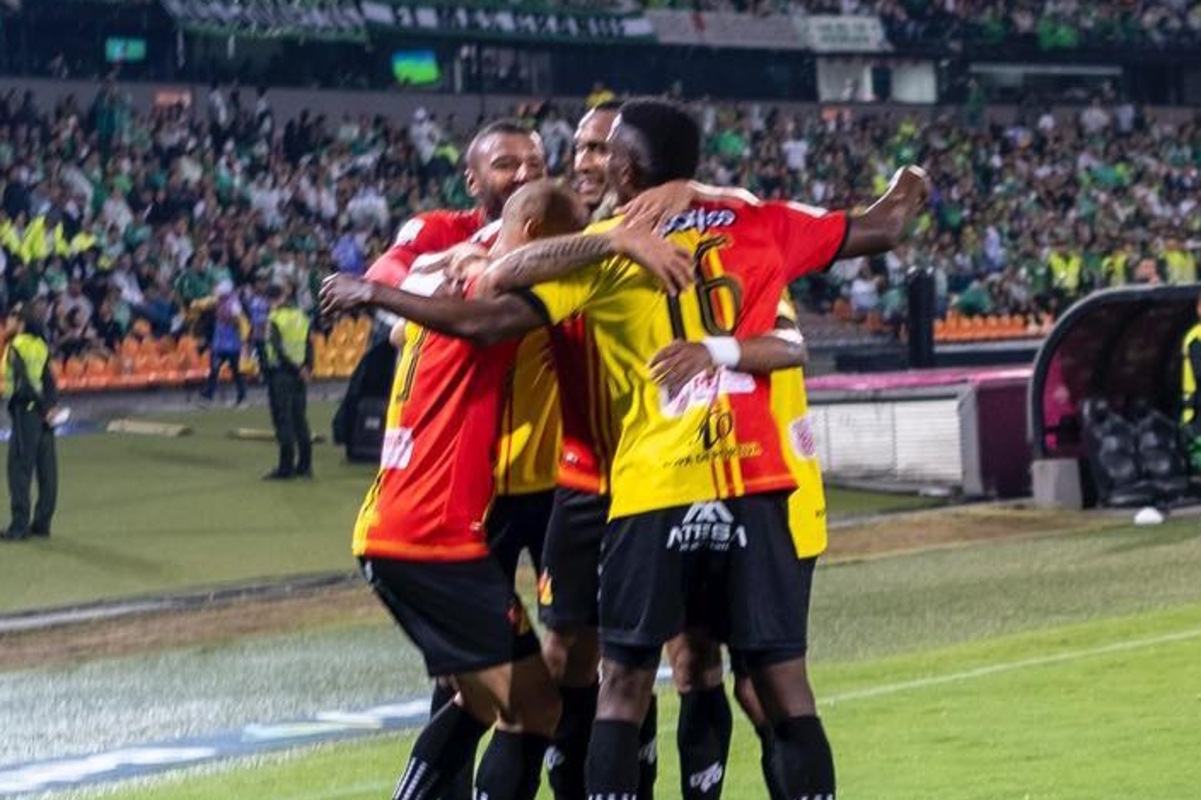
(228, 342)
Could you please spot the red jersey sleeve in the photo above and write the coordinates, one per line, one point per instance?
(809, 237)
(425, 233)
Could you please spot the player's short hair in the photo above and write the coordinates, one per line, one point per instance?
(670, 140)
(557, 208)
(499, 127)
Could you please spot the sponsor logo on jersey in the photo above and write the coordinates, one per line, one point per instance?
(707, 526)
(800, 435)
(701, 220)
(398, 448)
(703, 389)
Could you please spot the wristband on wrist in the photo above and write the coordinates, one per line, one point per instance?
(724, 350)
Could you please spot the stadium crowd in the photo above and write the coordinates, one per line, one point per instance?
(109, 215)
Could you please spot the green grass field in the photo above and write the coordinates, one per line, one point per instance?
(1105, 709)
(142, 514)
(1058, 666)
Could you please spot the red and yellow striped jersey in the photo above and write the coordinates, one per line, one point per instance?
(790, 406)
(717, 438)
(435, 482)
(589, 431)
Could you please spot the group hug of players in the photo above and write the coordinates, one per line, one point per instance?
(606, 375)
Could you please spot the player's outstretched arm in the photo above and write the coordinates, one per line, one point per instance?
(483, 321)
(656, 206)
(882, 226)
(679, 362)
(551, 258)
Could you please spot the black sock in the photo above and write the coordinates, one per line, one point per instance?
(566, 756)
(767, 745)
(441, 751)
(803, 759)
(511, 768)
(648, 751)
(459, 786)
(612, 769)
(703, 738)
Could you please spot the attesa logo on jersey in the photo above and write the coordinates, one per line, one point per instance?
(701, 220)
(707, 526)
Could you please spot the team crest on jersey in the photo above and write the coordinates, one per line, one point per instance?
(701, 220)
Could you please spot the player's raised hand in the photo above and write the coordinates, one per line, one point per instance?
(678, 363)
(654, 207)
(912, 179)
(668, 262)
(341, 293)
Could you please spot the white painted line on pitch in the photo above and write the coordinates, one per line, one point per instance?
(1010, 666)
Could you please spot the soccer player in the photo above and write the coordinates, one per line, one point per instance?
(421, 543)
(705, 723)
(501, 158)
(698, 529)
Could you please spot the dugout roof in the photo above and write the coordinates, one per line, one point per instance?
(1121, 344)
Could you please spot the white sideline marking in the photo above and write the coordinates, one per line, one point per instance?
(1011, 666)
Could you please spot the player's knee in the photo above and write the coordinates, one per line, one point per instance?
(625, 692)
(748, 700)
(695, 664)
(556, 648)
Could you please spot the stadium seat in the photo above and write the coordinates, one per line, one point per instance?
(1112, 444)
(1161, 456)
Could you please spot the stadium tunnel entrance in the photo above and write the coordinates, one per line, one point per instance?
(1121, 345)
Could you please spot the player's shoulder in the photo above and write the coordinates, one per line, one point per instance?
(603, 226)
(438, 223)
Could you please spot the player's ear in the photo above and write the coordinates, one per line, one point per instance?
(473, 182)
(532, 228)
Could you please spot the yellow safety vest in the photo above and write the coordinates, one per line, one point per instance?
(1188, 380)
(293, 328)
(1065, 269)
(32, 350)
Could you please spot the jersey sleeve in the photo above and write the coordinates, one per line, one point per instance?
(420, 235)
(809, 238)
(558, 299)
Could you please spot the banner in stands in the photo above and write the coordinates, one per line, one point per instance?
(828, 33)
(509, 23)
(266, 19)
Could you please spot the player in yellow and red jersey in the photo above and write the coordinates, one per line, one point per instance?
(699, 520)
(501, 158)
(421, 542)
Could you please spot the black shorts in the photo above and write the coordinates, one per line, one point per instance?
(518, 522)
(568, 583)
(728, 567)
(462, 615)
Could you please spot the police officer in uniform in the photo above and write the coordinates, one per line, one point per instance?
(289, 357)
(32, 396)
(1190, 410)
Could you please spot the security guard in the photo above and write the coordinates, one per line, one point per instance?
(32, 397)
(1190, 407)
(289, 357)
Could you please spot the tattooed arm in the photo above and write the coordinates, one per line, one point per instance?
(552, 258)
(482, 321)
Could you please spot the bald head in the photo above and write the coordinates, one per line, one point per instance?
(539, 209)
